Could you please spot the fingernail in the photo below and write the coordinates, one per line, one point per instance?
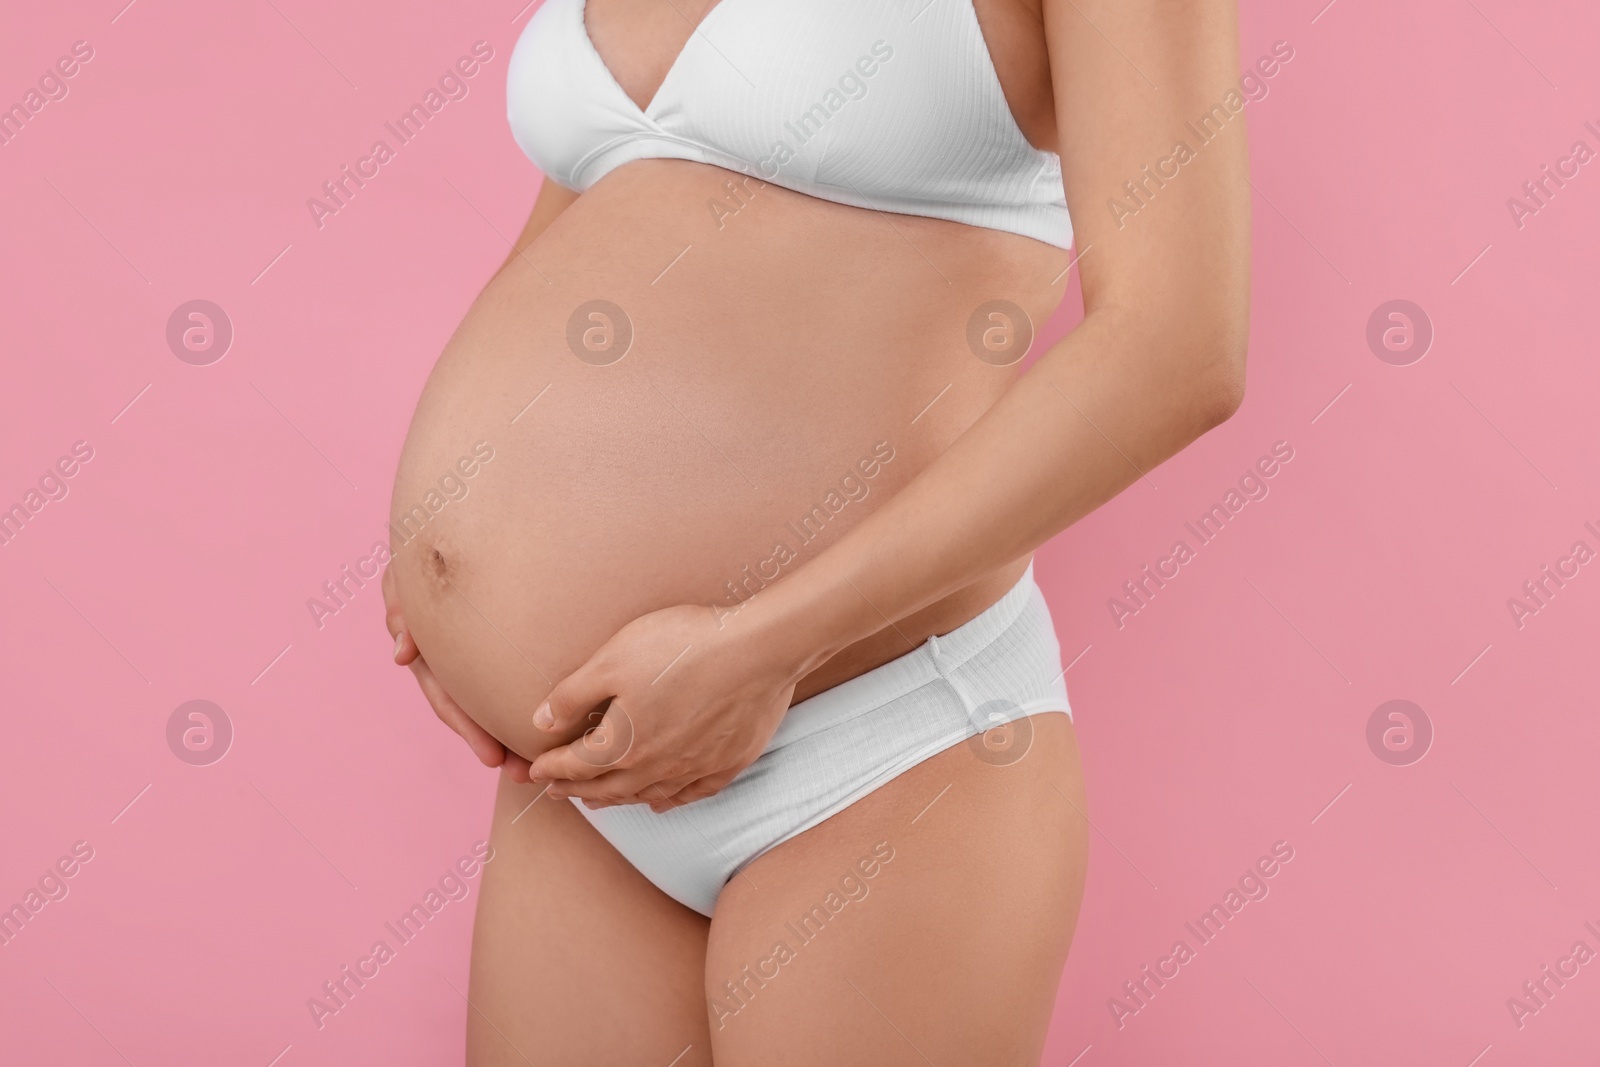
(542, 717)
(399, 643)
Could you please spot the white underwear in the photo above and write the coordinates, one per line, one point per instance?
(836, 747)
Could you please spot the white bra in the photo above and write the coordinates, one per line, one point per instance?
(891, 105)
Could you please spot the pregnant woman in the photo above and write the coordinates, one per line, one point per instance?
(715, 521)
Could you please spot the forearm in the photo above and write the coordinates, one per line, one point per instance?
(1102, 408)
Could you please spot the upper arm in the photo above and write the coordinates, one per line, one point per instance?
(552, 200)
(1160, 202)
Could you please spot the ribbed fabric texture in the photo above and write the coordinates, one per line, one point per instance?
(781, 89)
(840, 745)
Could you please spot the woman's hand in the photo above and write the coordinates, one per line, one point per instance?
(490, 751)
(681, 704)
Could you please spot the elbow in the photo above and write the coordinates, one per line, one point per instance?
(1221, 386)
(1213, 385)
(1223, 393)
(1204, 364)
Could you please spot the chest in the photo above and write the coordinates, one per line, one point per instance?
(642, 43)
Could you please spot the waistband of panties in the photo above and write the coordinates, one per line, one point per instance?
(907, 673)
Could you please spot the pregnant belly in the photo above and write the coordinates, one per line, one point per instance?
(662, 402)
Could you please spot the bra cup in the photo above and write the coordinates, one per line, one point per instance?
(846, 100)
(553, 107)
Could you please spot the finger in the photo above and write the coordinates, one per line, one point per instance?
(579, 693)
(392, 615)
(662, 804)
(601, 748)
(663, 795)
(613, 787)
(569, 764)
(405, 647)
(699, 789)
(660, 795)
(483, 744)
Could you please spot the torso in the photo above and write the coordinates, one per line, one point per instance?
(773, 352)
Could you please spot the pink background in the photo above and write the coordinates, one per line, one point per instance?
(1226, 715)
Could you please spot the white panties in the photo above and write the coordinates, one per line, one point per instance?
(836, 747)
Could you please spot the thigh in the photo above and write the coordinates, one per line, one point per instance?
(576, 958)
(927, 922)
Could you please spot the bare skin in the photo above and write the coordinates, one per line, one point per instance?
(771, 352)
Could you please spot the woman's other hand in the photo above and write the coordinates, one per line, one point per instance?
(681, 702)
(489, 750)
